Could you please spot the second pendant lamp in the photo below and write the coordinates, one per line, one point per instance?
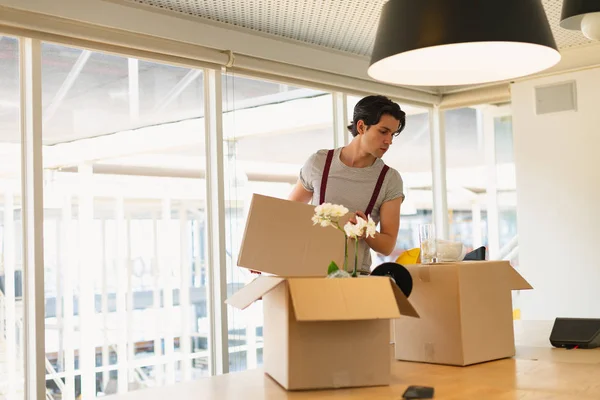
(459, 42)
(582, 15)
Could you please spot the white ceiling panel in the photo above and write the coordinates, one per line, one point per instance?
(345, 25)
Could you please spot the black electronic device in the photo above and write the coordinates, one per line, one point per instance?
(398, 273)
(571, 333)
(418, 392)
(476, 255)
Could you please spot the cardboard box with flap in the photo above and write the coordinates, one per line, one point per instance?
(318, 332)
(466, 313)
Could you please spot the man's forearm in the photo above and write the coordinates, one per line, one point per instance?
(382, 243)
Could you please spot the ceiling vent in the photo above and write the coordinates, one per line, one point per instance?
(556, 98)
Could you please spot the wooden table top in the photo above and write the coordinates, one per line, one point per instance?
(538, 371)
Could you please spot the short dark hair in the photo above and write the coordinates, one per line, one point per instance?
(370, 109)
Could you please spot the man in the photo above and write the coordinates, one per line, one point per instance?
(356, 177)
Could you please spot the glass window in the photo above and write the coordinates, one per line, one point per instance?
(506, 187)
(269, 129)
(466, 178)
(12, 385)
(470, 177)
(124, 223)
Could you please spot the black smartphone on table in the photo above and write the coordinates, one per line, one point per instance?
(418, 392)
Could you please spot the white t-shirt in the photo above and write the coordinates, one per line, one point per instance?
(351, 187)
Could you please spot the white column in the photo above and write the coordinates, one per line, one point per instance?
(156, 306)
(9, 294)
(166, 268)
(438, 169)
(59, 294)
(33, 216)
(340, 120)
(129, 272)
(106, 340)
(489, 143)
(184, 294)
(121, 239)
(197, 254)
(198, 246)
(87, 271)
(251, 359)
(215, 200)
(67, 259)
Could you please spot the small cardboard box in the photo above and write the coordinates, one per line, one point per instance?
(326, 333)
(465, 313)
(281, 239)
(318, 333)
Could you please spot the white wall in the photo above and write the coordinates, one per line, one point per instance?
(557, 160)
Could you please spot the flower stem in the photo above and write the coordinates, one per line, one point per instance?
(354, 274)
(345, 253)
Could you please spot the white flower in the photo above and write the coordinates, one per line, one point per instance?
(355, 230)
(331, 211)
(338, 211)
(328, 214)
(361, 227)
(371, 227)
(352, 230)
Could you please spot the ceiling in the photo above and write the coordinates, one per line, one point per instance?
(345, 25)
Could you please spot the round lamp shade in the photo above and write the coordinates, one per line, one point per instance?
(460, 42)
(590, 26)
(582, 15)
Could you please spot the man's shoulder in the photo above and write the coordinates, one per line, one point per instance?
(393, 174)
(392, 170)
(318, 157)
(322, 152)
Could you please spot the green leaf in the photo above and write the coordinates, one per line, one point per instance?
(332, 268)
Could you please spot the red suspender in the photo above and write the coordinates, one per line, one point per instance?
(384, 171)
(376, 191)
(325, 176)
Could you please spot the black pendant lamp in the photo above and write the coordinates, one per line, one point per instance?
(582, 15)
(459, 42)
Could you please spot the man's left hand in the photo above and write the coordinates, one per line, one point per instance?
(354, 221)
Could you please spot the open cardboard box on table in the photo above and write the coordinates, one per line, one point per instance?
(318, 332)
(465, 310)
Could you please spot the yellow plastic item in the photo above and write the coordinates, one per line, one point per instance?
(516, 314)
(409, 257)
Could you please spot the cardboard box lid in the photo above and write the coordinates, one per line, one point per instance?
(508, 276)
(517, 282)
(471, 270)
(281, 239)
(342, 299)
(348, 299)
(253, 291)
